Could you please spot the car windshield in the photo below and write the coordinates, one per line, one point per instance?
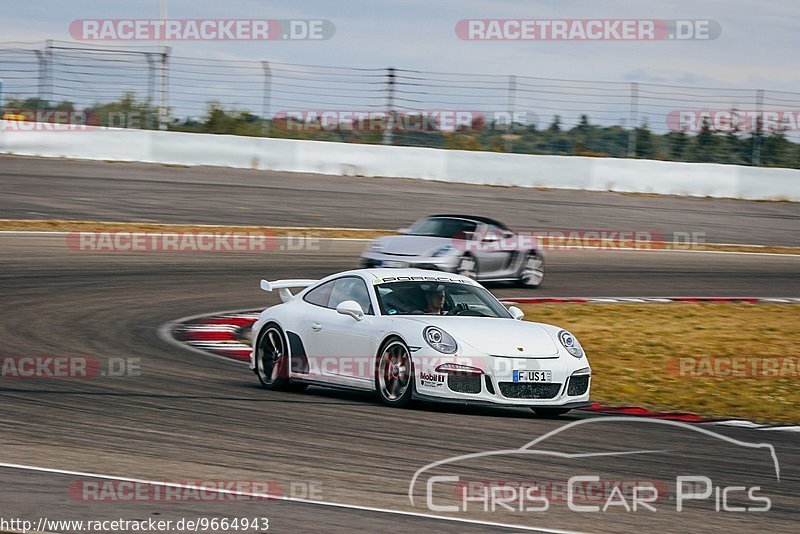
(438, 298)
(442, 227)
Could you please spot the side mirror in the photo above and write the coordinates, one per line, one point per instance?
(351, 308)
(516, 313)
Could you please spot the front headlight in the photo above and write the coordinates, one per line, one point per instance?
(570, 343)
(442, 251)
(440, 340)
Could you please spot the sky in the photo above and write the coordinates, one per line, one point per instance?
(757, 48)
(758, 45)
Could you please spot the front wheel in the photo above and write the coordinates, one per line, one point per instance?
(550, 412)
(531, 273)
(394, 375)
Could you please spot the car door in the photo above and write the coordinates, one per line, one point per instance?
(495, 252)
(342, 348)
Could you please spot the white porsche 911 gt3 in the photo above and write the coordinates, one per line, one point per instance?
(411, 333)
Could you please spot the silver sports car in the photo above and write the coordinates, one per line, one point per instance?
(478, 247)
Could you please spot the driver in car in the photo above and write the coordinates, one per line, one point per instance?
(434, 299)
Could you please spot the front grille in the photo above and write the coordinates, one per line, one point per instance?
(578, 385)
(461, 382)
(518, 390)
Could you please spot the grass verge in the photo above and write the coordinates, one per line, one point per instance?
(636, 349)
(20, 225)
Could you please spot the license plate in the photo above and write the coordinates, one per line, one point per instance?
(392, 264)
(533, 376)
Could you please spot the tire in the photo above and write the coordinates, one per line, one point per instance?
(531, 272)
(272, 360)
(467, 266)
(550, 412)
(394, 374)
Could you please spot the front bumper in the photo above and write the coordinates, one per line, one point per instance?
(441, 263)
(480, 402)
(569, 385)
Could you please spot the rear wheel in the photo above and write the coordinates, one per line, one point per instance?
(550, 412)
(531, 272)
(272, 361)
(394, 376)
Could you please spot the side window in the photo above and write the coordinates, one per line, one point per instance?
(468, 299)
(500, 232)
(350, 288)
(320, 295)
(459, 229)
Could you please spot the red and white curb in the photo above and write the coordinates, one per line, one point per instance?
(228, 335)
(225, 335)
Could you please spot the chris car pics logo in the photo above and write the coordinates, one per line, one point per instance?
(449, 485)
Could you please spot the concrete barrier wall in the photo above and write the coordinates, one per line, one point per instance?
(523, 170)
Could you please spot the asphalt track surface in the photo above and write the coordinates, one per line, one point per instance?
(188, 417)
(44, 188)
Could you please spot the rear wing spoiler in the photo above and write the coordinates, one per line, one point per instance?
(283, 287)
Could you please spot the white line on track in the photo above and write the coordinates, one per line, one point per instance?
(298, 500)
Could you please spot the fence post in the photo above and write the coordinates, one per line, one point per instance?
(512, 104)
(42, 74)
(45, 58)
(163, 100)
(389, 123)
(634, 119)
(49, 55)
(151, 89)
(265, 98)
(758, 132)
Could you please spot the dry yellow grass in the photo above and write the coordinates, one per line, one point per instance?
(633, 350)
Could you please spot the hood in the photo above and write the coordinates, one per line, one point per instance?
(498, 337)
(412, 245)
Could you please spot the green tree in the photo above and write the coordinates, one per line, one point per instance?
(705, 143)
(644, 142)
(677, 141)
